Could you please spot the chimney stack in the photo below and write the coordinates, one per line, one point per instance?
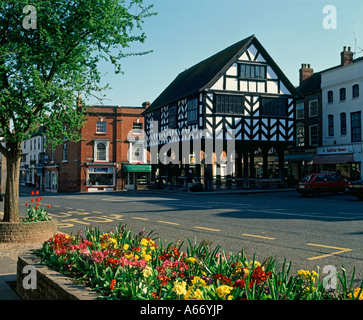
(305, 72)
(346, 56)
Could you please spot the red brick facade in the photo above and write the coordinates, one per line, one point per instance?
(96, 162)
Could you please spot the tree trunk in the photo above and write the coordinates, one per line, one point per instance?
(11, 201)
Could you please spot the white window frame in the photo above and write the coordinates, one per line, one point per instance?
(311, 114)
(101, 125)
(96, 143)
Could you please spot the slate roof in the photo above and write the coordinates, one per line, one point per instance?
(203, 74)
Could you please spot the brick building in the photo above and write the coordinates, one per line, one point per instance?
(111, 156)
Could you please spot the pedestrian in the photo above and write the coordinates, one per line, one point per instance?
(208, 179)
(189, 179)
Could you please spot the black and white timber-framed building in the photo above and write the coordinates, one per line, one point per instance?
(237, 102)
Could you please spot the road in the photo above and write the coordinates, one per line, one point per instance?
(308, 232)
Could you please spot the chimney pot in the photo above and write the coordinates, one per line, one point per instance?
(305, 72)
(346, 56)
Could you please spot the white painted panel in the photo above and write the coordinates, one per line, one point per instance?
(231, 84)
(272, 87)
(244, 57)
(232, 71)
(218, 85)
(260, 87)
(243, 85)
(252, 86)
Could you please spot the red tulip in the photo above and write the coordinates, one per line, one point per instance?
(37, 199)
(32, 193)
(26, 204)
(36, 192)
(48, 205)
(35, 207)
(32, 200)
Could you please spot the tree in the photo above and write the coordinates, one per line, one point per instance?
(49, 52)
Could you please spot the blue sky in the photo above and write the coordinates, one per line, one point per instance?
(186, 32)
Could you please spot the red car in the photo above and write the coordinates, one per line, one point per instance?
(317, 183)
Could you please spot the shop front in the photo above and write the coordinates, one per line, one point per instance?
(101, 178)
(51, 178)
(344, 160)
(137, 176)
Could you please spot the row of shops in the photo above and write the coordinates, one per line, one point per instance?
(102, 177)
(110, 177)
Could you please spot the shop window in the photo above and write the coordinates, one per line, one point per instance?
(100, 176)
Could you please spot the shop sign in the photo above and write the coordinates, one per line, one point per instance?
(335, 150)
(100, 170)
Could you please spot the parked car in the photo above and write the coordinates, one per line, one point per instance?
(355, 188)
(317, 183)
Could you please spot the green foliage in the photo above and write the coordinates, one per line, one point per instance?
(42, 70)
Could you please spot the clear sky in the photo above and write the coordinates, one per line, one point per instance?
(185, 32)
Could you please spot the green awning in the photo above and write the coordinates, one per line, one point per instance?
(137, 168)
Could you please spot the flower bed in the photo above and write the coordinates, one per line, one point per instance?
(120, 265)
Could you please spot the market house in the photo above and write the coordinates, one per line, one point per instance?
(241, 90)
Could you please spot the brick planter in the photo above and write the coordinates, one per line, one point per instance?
(50, 285)
(27, 232)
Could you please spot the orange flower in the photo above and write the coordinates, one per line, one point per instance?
(113, 284)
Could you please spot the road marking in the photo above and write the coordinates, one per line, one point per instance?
(341, 250)
(81, 209)
(138, 218)
(96, 211)
(173, 223)
(297, 214)
(255, 236)
(69, 208)
(207, 229)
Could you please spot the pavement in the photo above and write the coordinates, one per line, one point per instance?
(9, 252)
